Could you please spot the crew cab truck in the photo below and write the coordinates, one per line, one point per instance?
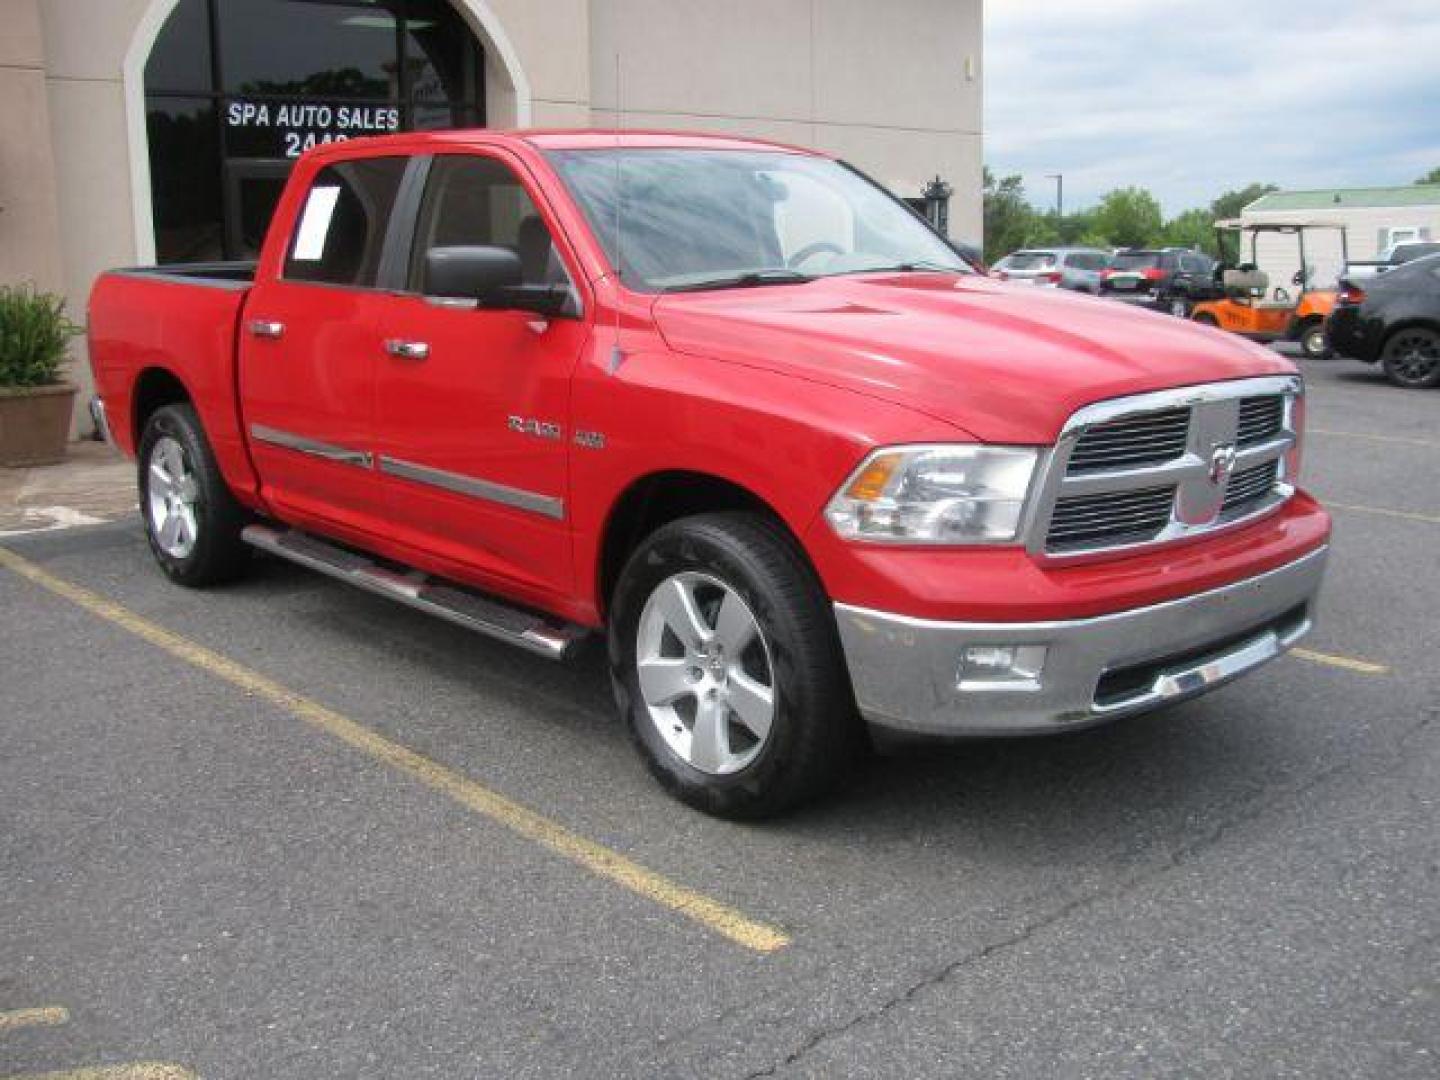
(739, 410)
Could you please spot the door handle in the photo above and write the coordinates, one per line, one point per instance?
(265, 328)
(407, 350)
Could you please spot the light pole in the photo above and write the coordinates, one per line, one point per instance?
(1059, 179)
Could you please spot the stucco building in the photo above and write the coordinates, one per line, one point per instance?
(133, 131)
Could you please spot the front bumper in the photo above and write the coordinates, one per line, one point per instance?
(907, 672)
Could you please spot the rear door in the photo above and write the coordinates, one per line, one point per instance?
(308, 353)
(473, 405)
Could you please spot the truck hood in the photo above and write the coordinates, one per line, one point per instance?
(1005, 363)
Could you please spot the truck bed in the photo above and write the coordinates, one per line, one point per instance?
(179, 323)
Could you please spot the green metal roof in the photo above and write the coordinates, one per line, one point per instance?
(1333, 198)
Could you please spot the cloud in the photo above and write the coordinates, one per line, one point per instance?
(1191, 100)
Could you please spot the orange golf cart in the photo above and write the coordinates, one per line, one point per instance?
(1242, 301)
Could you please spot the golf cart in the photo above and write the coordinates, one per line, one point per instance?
(1241, 299)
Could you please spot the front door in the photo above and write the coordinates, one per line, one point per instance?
(308, 353)
(472, 405)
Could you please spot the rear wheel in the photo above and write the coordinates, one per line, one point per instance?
(192, 521)
(1206, 319)
(1179, 307)
(1411, 358)
(727, 667)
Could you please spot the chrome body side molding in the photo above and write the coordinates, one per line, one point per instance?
(341, 455)
(545, 505)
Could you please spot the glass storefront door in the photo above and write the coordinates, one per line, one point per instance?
(235, 90)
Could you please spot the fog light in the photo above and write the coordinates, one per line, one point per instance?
(1000, 667)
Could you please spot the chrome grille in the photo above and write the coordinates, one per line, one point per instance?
(1165, 466)
(1250, 485)
(1139, 440)
(1261, 418)
(1082, 521)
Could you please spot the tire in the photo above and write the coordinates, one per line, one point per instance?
(1206, 319)
(1312, 340)
(694, 707)
(192, 521)
(1179, 307)
(1411, 358)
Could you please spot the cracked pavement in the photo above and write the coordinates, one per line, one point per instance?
(1246, 885)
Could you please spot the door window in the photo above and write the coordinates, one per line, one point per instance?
(478, 201)
(340, 234)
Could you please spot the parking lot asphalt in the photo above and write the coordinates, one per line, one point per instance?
(287, 829)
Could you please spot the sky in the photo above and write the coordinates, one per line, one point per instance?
(1194, 99)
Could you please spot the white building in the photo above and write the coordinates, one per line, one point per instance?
(1374, 219)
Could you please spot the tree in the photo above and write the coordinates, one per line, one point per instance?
(1129, 217)
(1231, 203)
(1191, 229)
(1010, 221)
(1431, 177)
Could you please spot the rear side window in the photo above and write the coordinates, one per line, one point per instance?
(1084, 260)
(341, 230)
(479, 201)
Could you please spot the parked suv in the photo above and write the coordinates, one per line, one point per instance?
(1396, 255)
(1066, 268)
(1166, 279)
(1394, 320)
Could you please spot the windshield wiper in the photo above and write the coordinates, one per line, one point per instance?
(749, 280)
(915, 266)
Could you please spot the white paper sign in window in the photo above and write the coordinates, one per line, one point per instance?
(315, 223)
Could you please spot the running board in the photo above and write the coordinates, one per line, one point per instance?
(451, 602)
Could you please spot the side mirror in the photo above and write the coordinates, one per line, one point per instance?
(491, 276)
(470, 272)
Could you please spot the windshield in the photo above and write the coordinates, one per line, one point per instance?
(1135, 260)
(710, 218)
(1027, 260)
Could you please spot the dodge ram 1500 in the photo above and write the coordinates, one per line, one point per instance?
(736, 408)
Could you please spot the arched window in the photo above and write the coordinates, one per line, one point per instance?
(235, 90)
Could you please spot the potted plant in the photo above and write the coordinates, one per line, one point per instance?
(35, 402)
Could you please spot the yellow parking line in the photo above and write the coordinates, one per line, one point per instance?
(1349, 663)
(596, 858)
(141, 1070)
(1405, 439)
(1408, 515)
(48, 1016)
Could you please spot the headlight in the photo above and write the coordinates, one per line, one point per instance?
(935, 495)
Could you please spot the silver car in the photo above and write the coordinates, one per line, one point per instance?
(1059, 267)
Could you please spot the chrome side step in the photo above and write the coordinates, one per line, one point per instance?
(451, 602)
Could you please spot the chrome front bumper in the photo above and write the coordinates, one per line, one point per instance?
(907, 672)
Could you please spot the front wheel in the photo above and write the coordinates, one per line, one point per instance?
(1312, 340)
(727, 666)
(192, 521)
(1411, 358)
(1179, 307)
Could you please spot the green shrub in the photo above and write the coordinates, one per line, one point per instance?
(34, 333)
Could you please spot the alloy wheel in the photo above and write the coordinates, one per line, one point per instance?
(705, 673)
(1413, 356)
(174, 494)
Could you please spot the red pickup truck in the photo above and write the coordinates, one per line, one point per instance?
(739, 409)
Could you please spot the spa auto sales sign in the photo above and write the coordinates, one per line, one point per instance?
(270, 129)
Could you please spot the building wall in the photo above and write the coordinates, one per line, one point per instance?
(29, 238)
(895, 89)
